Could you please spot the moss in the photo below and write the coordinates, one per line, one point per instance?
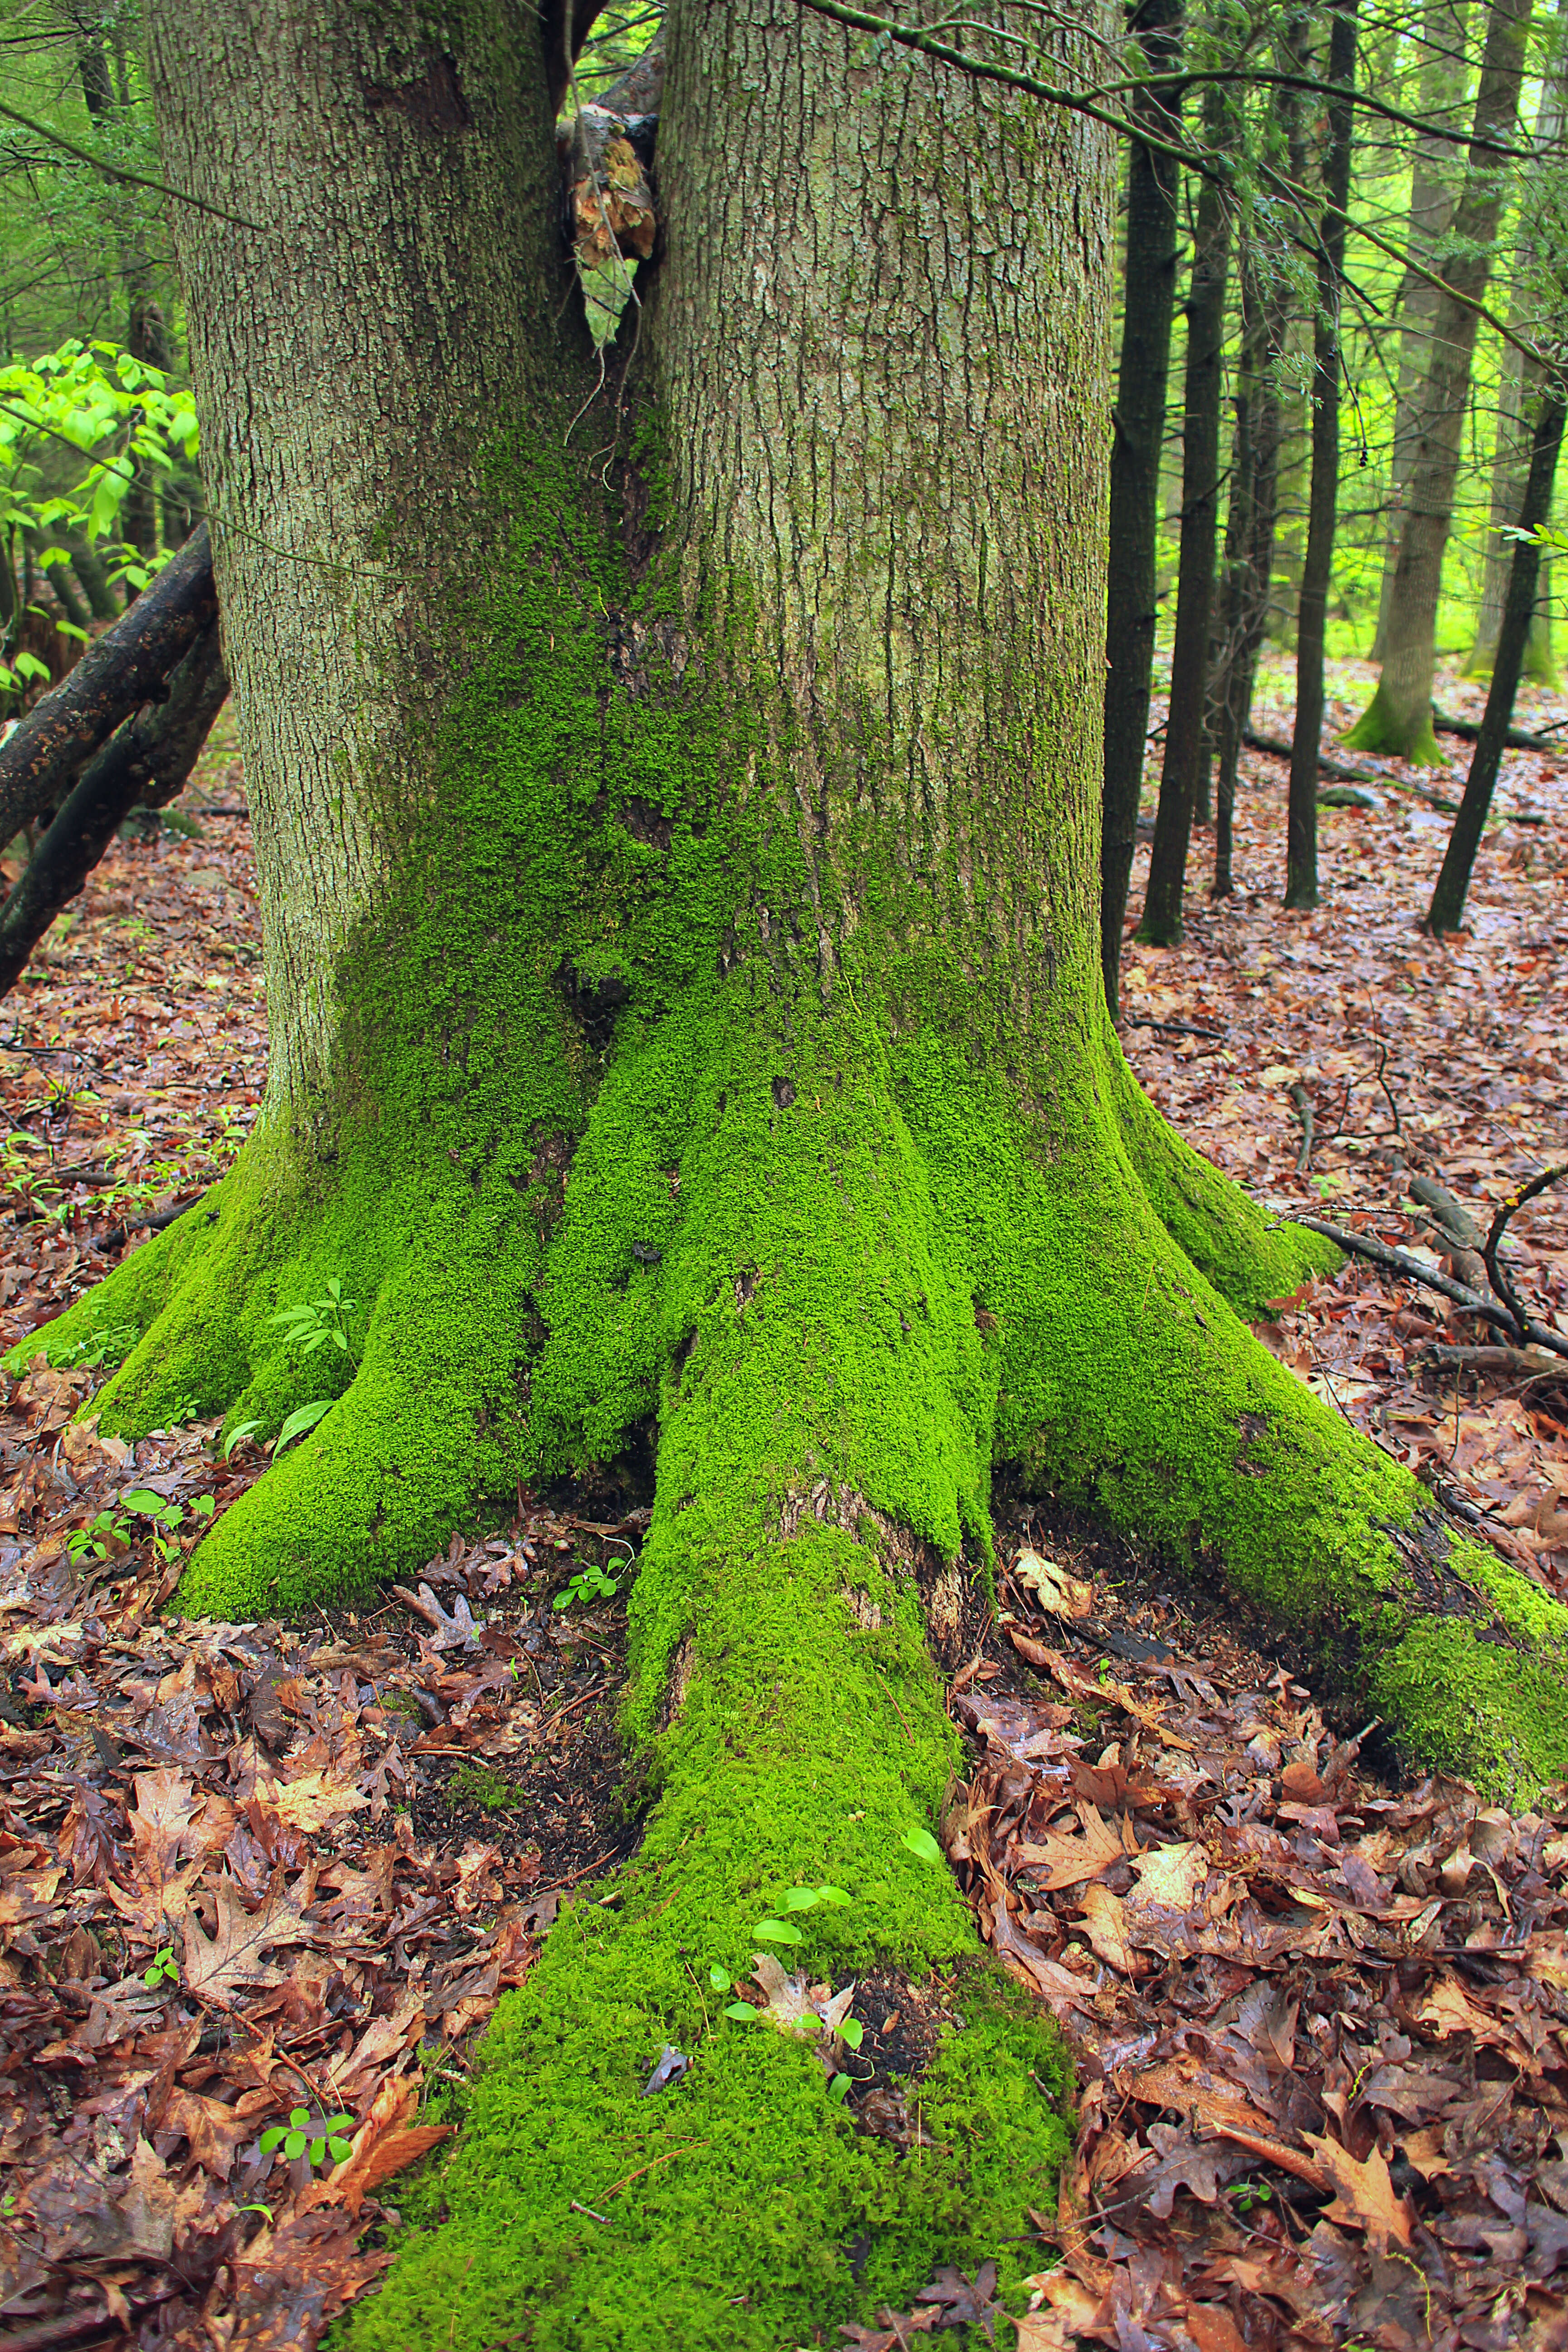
(1384, 728)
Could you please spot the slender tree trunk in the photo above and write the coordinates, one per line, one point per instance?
(1523, 379)
(680, 876)
(1447, 908)
(1184, 776)
(1435, 181)
(146, 335)
(1301, 820)
(1139, 430)
(1250, 546)
(1399, 718)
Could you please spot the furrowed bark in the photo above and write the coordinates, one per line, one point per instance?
(1137, 423)
(147, 763)
(1398, 719)
(1447, 908)
(39, 763)
(1184, 775)
(1316, 573)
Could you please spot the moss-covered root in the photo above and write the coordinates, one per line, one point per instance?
(424, 1419)
(1397, 733)
(825, 1398)
(741, 2207)
(1168, 1418)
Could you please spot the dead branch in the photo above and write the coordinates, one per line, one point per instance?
(1400, 1261)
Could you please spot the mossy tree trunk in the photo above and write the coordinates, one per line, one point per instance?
(684, 961)
(1398, 719)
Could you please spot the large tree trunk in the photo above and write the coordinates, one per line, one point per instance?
(1138, 427)
(682, 947)
(1398, 719)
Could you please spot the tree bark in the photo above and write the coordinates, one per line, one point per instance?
(1398, 719)
(1184, 775)
(1447, 909)
(1311, 638)
(1137, 425)
(679, 872)
(1435, 181)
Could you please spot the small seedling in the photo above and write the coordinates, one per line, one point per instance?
(298, 2134)
(237, 1436)
(588, 1585)
(921, 1842)
(107, 1533)
(321, 1322)
(164, 1970)
(1248, 2193)
(840, 2088)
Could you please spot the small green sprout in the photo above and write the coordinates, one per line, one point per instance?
(164, 1969)
(588, 1585)
(298, 2134)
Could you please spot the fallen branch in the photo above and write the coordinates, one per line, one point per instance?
(1469, 729)
(1508, 1363)
(1500, 1280)
(1400, 1261)
(42, 757)
(147, 761)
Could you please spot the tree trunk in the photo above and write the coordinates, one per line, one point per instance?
(1447, 908)
(679, 876)
(1184, 775)
(1435, 179)
(1253, 481)
(1138, 424)
(1311, 632)
(1398, 719)
(1522, 382)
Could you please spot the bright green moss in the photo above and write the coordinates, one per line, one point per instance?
(1382, 728)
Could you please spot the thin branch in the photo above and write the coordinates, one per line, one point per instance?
(117, 171)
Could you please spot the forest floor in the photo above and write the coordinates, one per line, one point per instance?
(276, 1876)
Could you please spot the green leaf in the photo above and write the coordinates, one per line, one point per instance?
(272, 2137)
(303, 1418)
(834, 1895)
(236, 1437)
(840, 2088)
(777, 1931)
(852, 2033)
(802, 1898)
(717, 1980)
(294, 2145)
(144, 1502)
(318, 2150)
(921, 1842)
(339, 2150)
(740, 2009)
(339, 2123)
(300, 2118)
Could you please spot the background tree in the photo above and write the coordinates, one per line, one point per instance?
(1316, 573)
(1138, 427)
(1399, 718)
(1184, 775)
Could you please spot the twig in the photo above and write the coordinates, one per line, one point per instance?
(1388, 1090)
(1176, 1028)
(1399, 1262)
(1507, 1362)
(1501, 1282)
(685, 2149)
(1303, 1102)
(590, 2212)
